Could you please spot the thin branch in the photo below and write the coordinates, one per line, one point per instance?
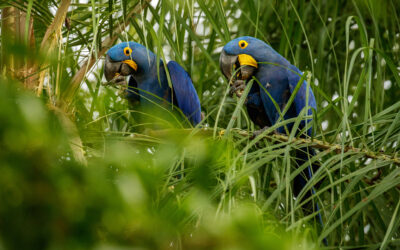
(314, 143)
(318, 144)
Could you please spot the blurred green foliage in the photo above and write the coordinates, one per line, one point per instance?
(81, 171)
(48, 200)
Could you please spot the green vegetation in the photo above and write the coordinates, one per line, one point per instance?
(78, 171)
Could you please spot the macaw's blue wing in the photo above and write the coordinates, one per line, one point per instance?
(281, 84)
(300, 99)
(185, 93)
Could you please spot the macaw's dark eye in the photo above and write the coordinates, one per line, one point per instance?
(243, 44)
(127, 51)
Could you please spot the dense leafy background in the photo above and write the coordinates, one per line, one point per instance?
(78, 171)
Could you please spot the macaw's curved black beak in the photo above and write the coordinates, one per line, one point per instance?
(228, 64)
(113, 69)
(242, 65)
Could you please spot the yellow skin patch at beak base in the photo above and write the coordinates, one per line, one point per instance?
(245, 59)
(131, 63)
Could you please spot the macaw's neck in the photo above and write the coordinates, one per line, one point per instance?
(272, 60)
(267, 57)
(148, 72)
(153, 84)
(272, 67)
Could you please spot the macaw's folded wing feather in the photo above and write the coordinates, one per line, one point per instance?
(301, 96)
(185, 93)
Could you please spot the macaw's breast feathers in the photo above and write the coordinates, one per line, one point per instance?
(184, 92)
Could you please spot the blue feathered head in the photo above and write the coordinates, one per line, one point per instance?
(127, 58)
(247, 53)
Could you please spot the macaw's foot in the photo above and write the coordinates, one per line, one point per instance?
(259, 132)
(237, 87)
(122, 92)
(117, 81)
(121, 82)
(202, 115)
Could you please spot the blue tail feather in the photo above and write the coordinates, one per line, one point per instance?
(300, 182)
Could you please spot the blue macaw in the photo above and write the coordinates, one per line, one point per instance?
(247, 57)
(147, 86)
(276, 75)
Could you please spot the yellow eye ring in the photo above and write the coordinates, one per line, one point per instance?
(127, 51)
(243, 44)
